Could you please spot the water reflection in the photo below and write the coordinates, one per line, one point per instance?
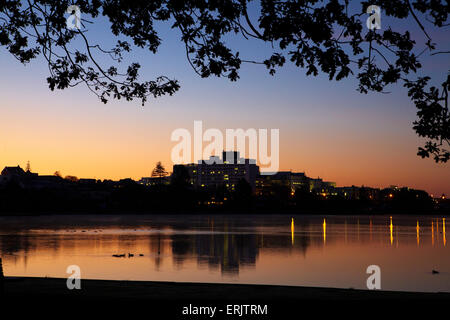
(292, 231)
(418, 233)
(443, 232)
(432, 233)
(255, 249)
(391, 228)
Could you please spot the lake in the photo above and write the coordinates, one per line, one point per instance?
(323, 251)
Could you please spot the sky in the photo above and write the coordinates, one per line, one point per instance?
(327, 129)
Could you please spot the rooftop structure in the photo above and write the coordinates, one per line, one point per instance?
(226, 171)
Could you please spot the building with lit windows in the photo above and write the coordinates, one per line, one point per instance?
(231, 168)
(291, 180)
(217, 172)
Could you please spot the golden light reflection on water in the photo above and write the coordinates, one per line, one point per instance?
(418, 233)
(432, 233)
(391, 229)
(443, 232)
(313, 251)
(292, 231)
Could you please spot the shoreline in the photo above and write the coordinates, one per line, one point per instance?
(114, 299)
(164, 290)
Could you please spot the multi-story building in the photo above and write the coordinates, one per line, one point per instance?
(292, 180)
(226, 171)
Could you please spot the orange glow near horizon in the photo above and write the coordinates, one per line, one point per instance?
(324, 231)
(118, 141)
(114, 157)
(327, 129)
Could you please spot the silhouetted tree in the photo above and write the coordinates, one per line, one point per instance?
(57, 174)
(71, 178)
(159, 172)
(321, 36)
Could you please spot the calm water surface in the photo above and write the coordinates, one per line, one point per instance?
(327, 251)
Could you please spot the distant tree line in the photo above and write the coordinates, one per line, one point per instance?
(180, 196)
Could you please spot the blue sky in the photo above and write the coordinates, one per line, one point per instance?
(327, 129)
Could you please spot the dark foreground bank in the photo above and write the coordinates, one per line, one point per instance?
(176, 299)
